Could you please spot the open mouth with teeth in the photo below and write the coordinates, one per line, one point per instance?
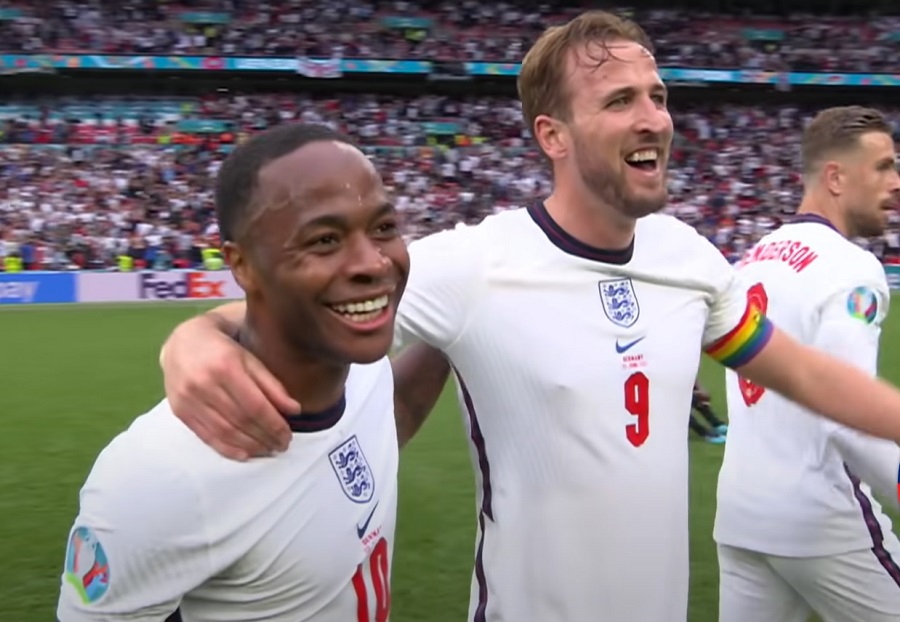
(645, 159)
(362, 311)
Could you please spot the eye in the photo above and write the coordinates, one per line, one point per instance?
(387, 228)
(618, 102)
(323, 241)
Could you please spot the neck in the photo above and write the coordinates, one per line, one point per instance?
(824, 206)
(588, 219)
(313, 382)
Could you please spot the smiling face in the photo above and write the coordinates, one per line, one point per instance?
(617, 136)
(323, 258)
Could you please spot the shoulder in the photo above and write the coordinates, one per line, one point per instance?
(469, 238)
(664, 234)
(666, 223)
(871, 268)
(146, 461)
(861, 287)
(369, 391)
(680, 253)
(850, 266)
(443, 242)
(365, 378)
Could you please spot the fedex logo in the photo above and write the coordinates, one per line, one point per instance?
(191, 285)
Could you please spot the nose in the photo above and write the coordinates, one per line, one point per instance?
(652, 117)
(895, 182)
(365, 260)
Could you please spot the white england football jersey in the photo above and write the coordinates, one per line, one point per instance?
(790, 480)
(166, 523)
(575, 369)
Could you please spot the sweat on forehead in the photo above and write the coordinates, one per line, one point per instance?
(240, 176)
(596, 53)
(318, 168)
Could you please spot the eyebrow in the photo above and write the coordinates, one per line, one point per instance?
(340, 222)
(630, 90)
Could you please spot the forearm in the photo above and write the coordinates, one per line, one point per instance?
(225, 318)
(824, 384)
(420, 374)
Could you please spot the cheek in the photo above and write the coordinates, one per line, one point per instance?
(670, 127)
(396, 252)
(597, 149)
(301, 280)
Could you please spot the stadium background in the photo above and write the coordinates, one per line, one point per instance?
(112, 122)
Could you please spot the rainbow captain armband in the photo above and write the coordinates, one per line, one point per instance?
(746, 340)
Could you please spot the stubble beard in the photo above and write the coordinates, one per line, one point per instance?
(610, 187)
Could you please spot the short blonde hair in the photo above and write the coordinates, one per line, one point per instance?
(542, 79)
(838, 129)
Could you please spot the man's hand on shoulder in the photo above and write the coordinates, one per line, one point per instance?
(223, 393)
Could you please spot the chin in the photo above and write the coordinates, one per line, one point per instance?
(368, 349)
(640, 206)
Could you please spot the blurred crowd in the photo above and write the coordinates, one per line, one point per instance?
(433, 30)
(69, 200)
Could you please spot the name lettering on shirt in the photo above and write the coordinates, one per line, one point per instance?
(795, 254)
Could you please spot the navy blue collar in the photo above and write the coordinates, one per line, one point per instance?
(569, 244)
(318, 421)
(308, 421)
(815, 218)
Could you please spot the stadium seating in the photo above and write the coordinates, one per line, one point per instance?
(725, 180)
(493, 32)
(83, 179)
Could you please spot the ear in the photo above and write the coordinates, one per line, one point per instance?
(241, 268)
(833, 178)
(552, 135)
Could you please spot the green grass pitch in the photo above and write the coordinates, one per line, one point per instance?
(73, 377)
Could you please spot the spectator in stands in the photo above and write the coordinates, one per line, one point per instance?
(435, 30)
(83, 203)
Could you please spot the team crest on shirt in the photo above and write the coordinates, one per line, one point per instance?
(620, 302)
(352, 470)
(87, 568)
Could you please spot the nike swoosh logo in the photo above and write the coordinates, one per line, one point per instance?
(627, 346)
(361, 529)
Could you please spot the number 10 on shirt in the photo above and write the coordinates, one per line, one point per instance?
(637, 403)
(379, 571)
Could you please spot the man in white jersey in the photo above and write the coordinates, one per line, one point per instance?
(166, 524)
(575, 328)
(797, 527)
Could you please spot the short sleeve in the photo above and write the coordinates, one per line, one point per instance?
(849, 328)
(737, 328)
(137, 546)
(850, 324)
(445, 279)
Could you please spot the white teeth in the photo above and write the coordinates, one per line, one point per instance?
(364, 310)
(361, 317)
(647, 155)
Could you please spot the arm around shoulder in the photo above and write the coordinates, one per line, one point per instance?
(445, 281)
(137, 545)
(225, 319)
